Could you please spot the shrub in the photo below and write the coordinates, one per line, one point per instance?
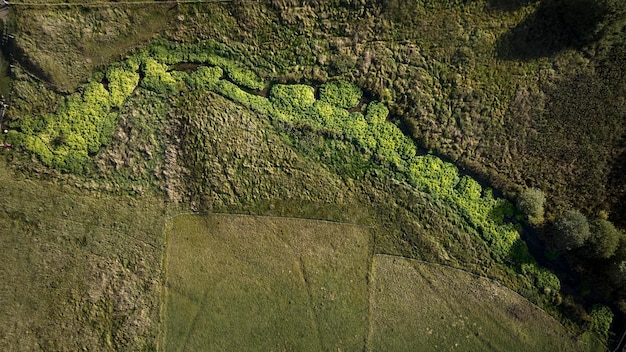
(601, 320)
(604, 239)
(156, 78)
(530, 203)
(572, 230)
(121, 84)
(544, 279)
(204, 77)
(341, 94)
(376, 112)
(294, 98)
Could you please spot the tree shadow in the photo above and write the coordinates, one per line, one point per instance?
(507, 5)
(617, 183)
(555, 26)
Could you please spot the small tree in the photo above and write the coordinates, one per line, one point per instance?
(530, 203)
(572, 230)
(604, 239)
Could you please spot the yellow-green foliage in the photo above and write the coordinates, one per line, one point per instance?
(376, 112)
(203, 54)
(122, 82)
(156, 78)
(81, 125)
(294, 98)
(431, 174)
(205, 77)
(341, 94)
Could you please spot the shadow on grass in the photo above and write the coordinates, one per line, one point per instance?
(508, 5)
(555, 26)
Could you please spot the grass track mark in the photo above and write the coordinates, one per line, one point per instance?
(194, 321)
(288, 284)
(302, 272)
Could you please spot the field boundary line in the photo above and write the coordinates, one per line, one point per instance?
(332, 222)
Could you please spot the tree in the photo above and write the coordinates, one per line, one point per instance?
(572, 230)
(530, 203)
(604, 239)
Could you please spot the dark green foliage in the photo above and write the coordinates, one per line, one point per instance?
(604, 239)
(571, 230)
(555, 26)
(530, 203)
(341, 94)
(617, 273)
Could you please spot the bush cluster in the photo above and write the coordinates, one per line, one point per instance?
(530, 203)
(341, 94)
(81, 125)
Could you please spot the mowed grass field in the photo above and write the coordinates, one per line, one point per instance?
(245, 283)
(251, 283)
(418, 306)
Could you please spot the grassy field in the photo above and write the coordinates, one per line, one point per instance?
(237, 283)
(79, 270)
(424, 307)
(264, 283)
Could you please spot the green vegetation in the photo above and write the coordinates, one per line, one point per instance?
(448, 309)
(530, 203)
(341, 94)
(604, 239)
(601, 319)
(135, 100)
(261, 283)
(81, 124)
(81, 270)
(572, 231)
(309, 291)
